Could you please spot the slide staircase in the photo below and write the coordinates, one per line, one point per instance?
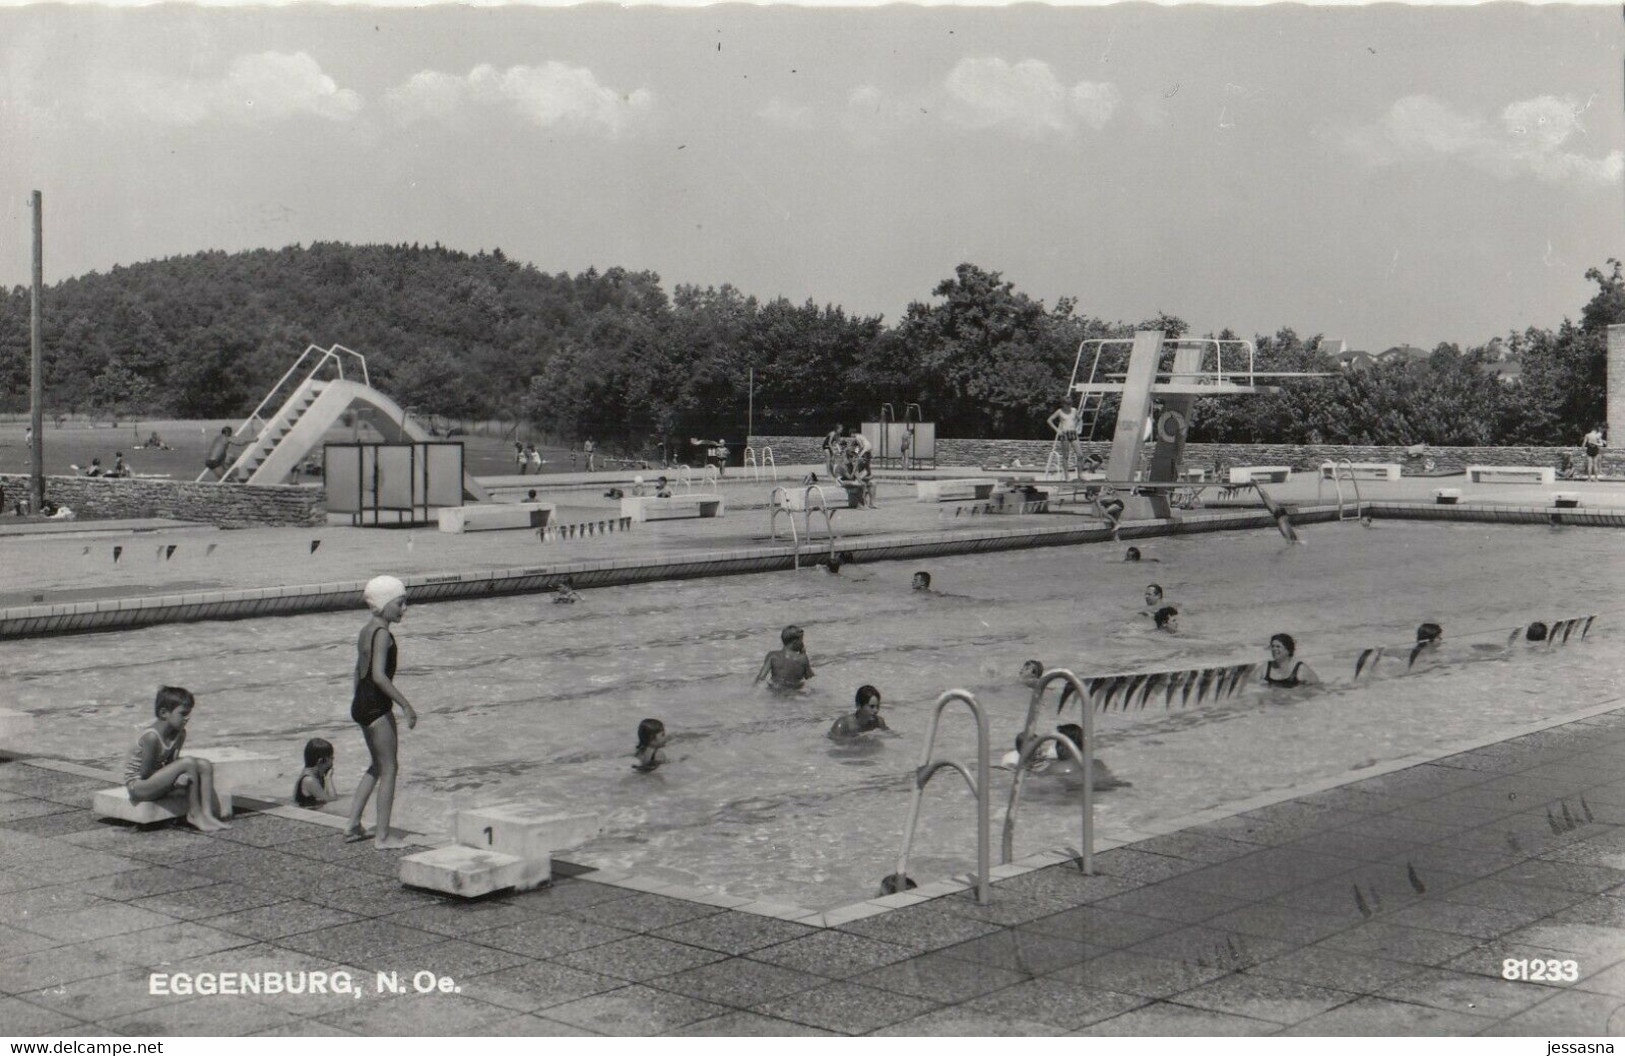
(315, 404)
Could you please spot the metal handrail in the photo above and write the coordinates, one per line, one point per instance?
(685, 476)
(780, 501)
(1084, 753)
(1337, 482)
(978, 786)
(750, 463)
(767, 460)
(711, 478)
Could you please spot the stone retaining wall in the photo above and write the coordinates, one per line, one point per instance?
(789, 450)
(225, 505)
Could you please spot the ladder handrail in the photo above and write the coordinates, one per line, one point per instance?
(1337, 467)
(750, 463)
(767, 460)
(685, 476)
(780, 502)
(978, 786)
(1084, 753)
(711, 477)
(326, 355)
(919, 415)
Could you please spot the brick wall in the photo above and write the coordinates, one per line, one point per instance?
(788, 450)
(225, 505)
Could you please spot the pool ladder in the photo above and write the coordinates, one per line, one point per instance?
(980, 788)
(781, 504)
(1337, 469)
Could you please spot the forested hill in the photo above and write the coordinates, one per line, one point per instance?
(611, 355)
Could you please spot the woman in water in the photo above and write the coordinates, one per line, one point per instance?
(372, 707)
(1282, 671)
(651, 738)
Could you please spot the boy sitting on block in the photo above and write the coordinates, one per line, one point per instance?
(154, 769)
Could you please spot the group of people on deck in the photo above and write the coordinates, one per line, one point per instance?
(849, 458)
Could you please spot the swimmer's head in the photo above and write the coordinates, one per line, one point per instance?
(565, 584)
(792, 634)
(1031, 672)
(922, 581)
(896, 883)
(834, 566)
(866, 697)
(172, 698)
(1286, 643)
(1072, 732)
(1133, 554)
(1429, 632)
(381, 591)
(1536, 632)
(1167, 618)
(1153, 594)
(649, 731)
(318, 751)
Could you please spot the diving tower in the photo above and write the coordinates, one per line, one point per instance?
(315, 402)
(1199, 367)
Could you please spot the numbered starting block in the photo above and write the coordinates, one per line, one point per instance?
(507, 844)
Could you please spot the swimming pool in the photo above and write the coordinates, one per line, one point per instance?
(521, 698)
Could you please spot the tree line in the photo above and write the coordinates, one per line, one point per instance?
(613, 357)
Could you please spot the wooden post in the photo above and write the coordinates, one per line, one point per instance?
(36, 365)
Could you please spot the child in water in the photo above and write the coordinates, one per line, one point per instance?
(566, 593)
(865, 717)
(1065, 766)
(315, 784)
(1167, 619)
(155, 768)
(789, 666)
(922, 581)
(651, 738)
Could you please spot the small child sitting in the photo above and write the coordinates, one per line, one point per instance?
(155, 768)
(864, 718)
(315, 784)
(651, 738)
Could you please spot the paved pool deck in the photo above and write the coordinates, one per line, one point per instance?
(1380, 907)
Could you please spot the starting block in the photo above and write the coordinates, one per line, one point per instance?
(236, 770)
(467, 872)
(1446, 496)
(973, 489)
(1260, 474)
(530, 833)
(1363, 470)
(495, 516)
(1566, 500)
(499, 846)
(115, 803)
(1511, 475)
(647, 508)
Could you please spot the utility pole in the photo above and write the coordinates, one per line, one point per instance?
(36, 364)
(750, 412)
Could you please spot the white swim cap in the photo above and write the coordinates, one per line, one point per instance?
(637, 480)
(381, 590)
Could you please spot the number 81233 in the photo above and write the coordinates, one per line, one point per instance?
(1539, 971)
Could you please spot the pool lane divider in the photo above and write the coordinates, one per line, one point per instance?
(44, 620)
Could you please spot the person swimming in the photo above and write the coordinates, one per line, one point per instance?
(921, 581)
(1066, 767)
(1429, 637)
(651, 738)
(865, 717)
(565, 593)
(1296, 672)
(1167, 619)
(787, 668)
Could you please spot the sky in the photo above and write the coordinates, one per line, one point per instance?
(1378, 174)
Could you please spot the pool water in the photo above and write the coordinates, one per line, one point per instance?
(524, 699)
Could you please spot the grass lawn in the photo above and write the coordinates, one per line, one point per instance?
(76, 443)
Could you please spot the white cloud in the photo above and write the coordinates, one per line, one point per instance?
(269, 86)
(1533, 136)
(552, 95)
(1026, 98)
(779, 112)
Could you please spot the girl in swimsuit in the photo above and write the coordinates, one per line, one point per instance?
(1282, 671)
(651, 738)
(372, 707)
(315, 784)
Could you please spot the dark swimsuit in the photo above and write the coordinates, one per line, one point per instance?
(371, 703)
(300, 798)
(1289, 681)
